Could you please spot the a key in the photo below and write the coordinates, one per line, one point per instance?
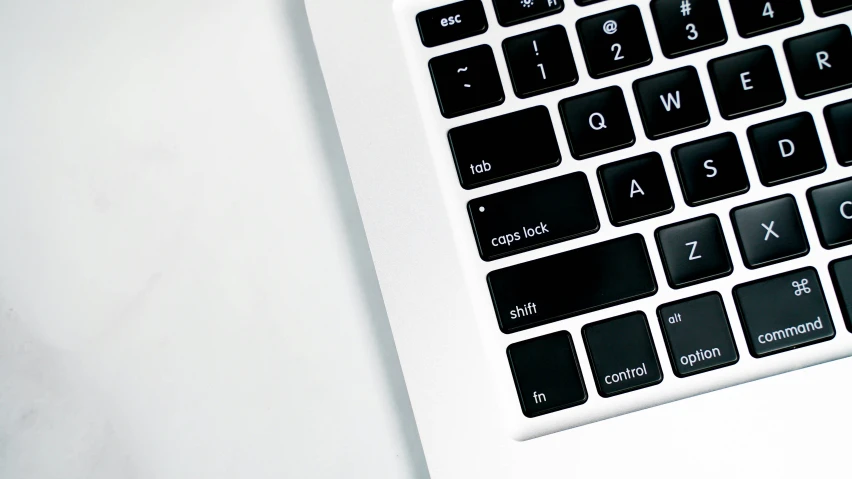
(746, 82)
(512, 12)
(756, 17)
(838, 118)
(532, 216)
(466, 81)
(710, 169)
(698, 335)
(825, 8)
(571, 283)
(783, 312)
(547, 375)
(688, 26)
(597, 122)
(694, 251)
(820, 62)
(635, 189)
(622, 354)
(504, 147)
(671, 103)
(831, 206)
(786, 149)
(841, 276)
(583, 3)
(770, 231)
(614, 41)
(540, 61)
(451, 22)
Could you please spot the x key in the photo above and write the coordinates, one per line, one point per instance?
(769, 230)
(775, 219)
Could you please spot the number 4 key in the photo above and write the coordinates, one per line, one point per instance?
(756, 17)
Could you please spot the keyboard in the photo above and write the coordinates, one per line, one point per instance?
(651, 200)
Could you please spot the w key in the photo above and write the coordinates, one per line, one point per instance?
(671, 103)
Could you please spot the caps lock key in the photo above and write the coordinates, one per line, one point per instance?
(532, 216)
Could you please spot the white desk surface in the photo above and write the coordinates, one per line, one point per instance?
(185, 286)
(186, 290)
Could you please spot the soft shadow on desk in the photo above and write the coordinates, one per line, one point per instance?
(297, 26)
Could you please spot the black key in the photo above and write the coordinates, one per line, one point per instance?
(504, 147)
(841, 276)
(547, 375)
(770, 231)
(783, 312)
(838, 118)
(756, 17)
(671, 103)
(532, 216)
(747, 82)
(466, 81)
(636, 189)
(694, 251)
(825, 8)
(786, 149)
(622, 354)
(572, 283)
(597, 122)
(512, 12)
(710, 169)
(540, 61)
(820, 62)
(688, 26)
(831, 206)
(583, 3)
(451, 22)
(698, 335)
(614, 41)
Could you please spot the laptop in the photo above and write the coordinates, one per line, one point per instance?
(583, 211)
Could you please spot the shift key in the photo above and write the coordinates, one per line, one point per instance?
(571, 283)
(532, 216)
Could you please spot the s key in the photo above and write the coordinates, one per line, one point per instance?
(710, 169)
(597, 122)
(532, 216)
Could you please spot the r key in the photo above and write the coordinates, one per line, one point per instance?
(820, 62)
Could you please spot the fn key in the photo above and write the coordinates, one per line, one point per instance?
(546, 373)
